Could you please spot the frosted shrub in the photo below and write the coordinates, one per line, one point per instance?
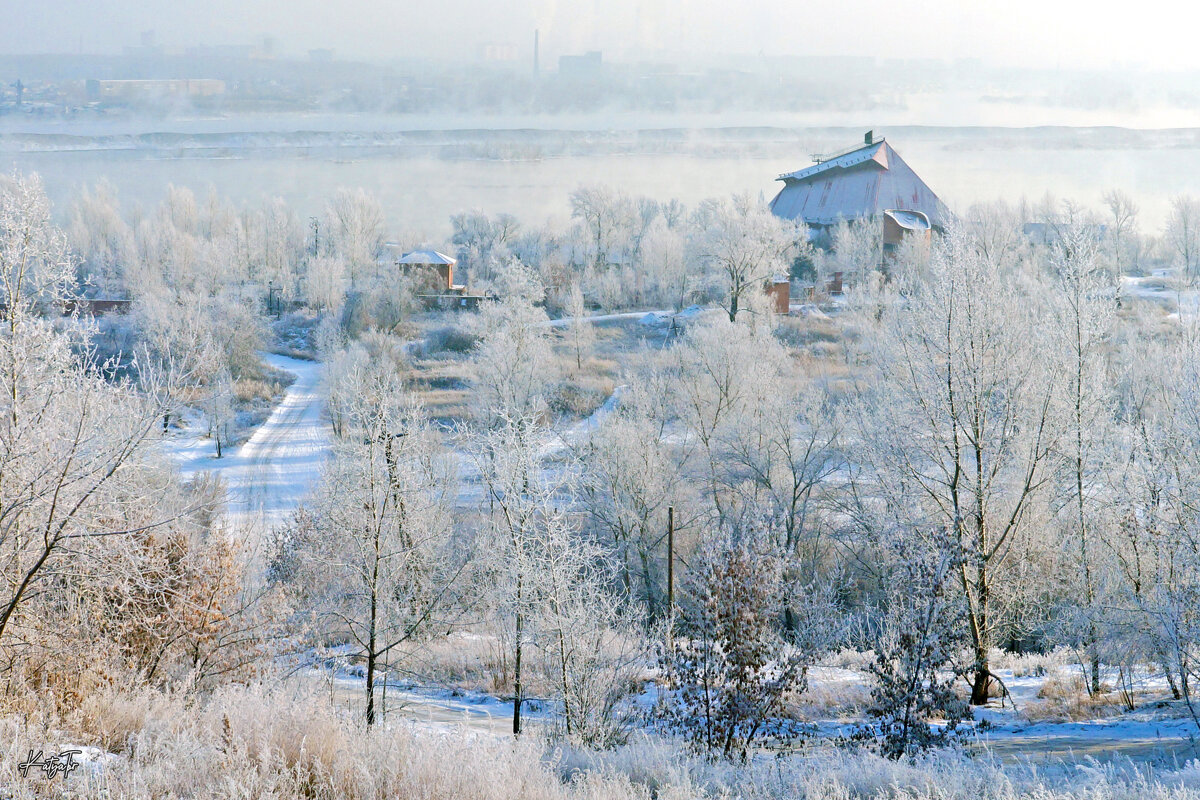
(913, 669)
(733, 670)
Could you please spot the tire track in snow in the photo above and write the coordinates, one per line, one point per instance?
(274, 470)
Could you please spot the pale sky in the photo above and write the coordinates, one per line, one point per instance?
(1043, 33)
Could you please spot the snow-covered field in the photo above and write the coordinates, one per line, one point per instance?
(1159, 731)
(1165, 288)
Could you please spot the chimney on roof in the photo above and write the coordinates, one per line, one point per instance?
(869, 138)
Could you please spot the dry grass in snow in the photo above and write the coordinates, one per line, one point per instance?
(286, 741)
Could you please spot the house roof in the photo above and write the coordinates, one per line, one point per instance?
(424, 257)
(909, 220)
(861, 183)
(869, 152)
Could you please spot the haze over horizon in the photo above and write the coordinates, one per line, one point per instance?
(1023, 33)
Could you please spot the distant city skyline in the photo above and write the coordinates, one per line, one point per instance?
(1020, 33)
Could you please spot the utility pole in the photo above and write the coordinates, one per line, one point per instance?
(383, 710)
(517, 666)
(670, 577)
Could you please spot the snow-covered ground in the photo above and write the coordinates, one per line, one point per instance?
(554, 444)
(1165, 288)
(439, 707)
(269, 475)
(602, 318)
(1158, 729)
(1149, 734)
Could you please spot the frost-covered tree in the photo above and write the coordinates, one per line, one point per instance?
(722, 372)
(607, 217)
(483, 242)
(742, 244)
(783, 449)
(275, 243)
(1182, 234)
(957, 428)
(217, 404)
(207, 344)
(581, 334)
(521, 512)
(325, 282)
(1084, 298)
(591, 645)
(36, 268)
(1122, 231)
(514, 360)
(1156, 545)
(101, 239)
(995, 229)
(375, 556)
(857, 247)
(546, 581)
(674, 213)
(669, 277)
(356, 225)
(70, 439)
(631, 474)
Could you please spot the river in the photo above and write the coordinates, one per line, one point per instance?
(424, 170)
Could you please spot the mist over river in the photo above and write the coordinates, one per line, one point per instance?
(423, 170)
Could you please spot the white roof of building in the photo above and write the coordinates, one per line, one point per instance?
(423, 257)
(910, 220)
(867, 152)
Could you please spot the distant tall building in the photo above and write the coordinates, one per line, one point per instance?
(588, 65)
(235, 52)
(147, 46)
(498, 52)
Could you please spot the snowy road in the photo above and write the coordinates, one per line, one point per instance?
(624, 316)
(275, 469)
